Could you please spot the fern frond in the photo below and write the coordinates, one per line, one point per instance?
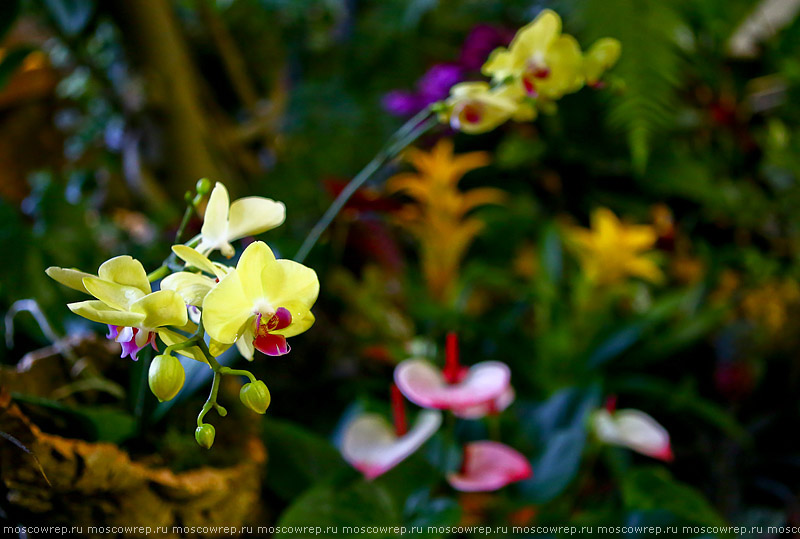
(650, 67)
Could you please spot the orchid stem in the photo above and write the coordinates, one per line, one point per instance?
(408, 133)
(238, 372)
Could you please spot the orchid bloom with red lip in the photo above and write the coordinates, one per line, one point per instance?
(261, 303)
(373, 447)
(488, 466)
(633, 429)
(456, 387)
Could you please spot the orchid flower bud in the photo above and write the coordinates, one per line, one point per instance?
(255, 396)
(204, 434)
(166, 377)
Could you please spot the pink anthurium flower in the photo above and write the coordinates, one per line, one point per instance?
(373, 447)
(455, 387)
(489, 466)
(492, 407)
(633, 429)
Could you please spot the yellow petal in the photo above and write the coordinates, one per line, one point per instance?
(170, 337)
(196, 259)
(127, 271)
(192, 287)
(245, 344)
(499, 65)
(68, 277)
(254, 215)
(566, 69)
(162, 308)
(288, 281)
(217, 348)
(602, 55)
(226, 309)
(535, 37)
(215, 220)
(116, 295)
(256, 260)
(302, 320)
(645, 268)
(97, 311)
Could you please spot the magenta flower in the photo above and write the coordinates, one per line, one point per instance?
(456, 387)
(433, 86)
(489, 466)
(480, 42)
(132, 340)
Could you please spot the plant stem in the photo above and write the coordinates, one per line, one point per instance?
(238, 372)
(408, 133)
(212, 398)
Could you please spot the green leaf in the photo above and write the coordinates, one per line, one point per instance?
(297, 458)
(558, 426)
(9, 11)
(422, 511)
(357, 504)
(653, 488)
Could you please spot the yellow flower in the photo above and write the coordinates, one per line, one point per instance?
(475, 108)
(247, 216)
(439, 217)
(124, 301)
(261, 302)
(543, 61)
(772, 304)
(193, 287)
(600, 57)
(611, 251)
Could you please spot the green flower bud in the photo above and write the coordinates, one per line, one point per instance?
(204, 434)
(255, 396)
(203, 186)
(166, 377)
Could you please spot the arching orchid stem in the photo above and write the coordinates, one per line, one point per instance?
(408, 133)
(452, 367)
(211, 402)
(238, 372)
(399, 412)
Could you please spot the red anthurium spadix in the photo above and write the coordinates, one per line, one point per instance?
(489, 466)
(455, 387)
(372, 446)
(633, 429)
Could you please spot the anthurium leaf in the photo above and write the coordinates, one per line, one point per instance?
(557, 431)
(357, 504)
(422, 511)
(298, 458)
(652, 488)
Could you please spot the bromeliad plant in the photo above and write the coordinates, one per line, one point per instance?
(202, 307)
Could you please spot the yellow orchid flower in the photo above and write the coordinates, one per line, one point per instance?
(543, 61)
(124, 301)
(611, 251)
(473, 107)
(261, 303)
(224, 223)
(439, 217)
(600, 57)
(193, 287)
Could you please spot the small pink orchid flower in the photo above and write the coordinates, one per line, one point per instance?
(373, 447)
(489, 466)
(456, 387)
(633, 429)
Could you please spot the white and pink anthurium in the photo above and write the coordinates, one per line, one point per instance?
(633, 429)
(373, 446)
(492, 407)
(456, 387)
(488, 466)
